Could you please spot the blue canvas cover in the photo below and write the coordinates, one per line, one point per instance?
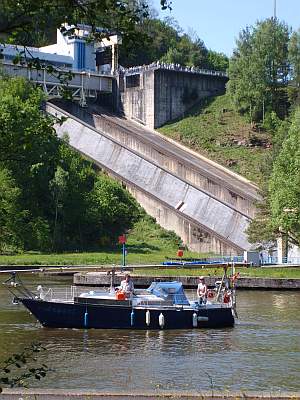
(169, 291)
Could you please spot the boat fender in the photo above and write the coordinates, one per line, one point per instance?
(132, 318)
(147, 317)
(161, 320)
(210, 294)
(85, 319)
(195, 320)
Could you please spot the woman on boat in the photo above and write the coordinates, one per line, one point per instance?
(127, 286)
(202, 290)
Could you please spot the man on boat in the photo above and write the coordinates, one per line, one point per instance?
(202, 290)
(127, 286)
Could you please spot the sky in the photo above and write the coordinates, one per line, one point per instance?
(218, 22)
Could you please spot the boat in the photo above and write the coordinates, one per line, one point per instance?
(164, 305)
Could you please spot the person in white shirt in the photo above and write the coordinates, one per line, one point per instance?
(127, 286)
(202, 290)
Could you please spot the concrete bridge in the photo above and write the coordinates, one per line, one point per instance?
(83, 85)
(208, 206)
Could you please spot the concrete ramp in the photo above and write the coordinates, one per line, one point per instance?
(204, 222)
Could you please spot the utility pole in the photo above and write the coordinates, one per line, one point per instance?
(275, 9)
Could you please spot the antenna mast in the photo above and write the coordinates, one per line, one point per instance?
(275, 9)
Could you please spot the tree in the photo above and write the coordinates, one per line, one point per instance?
(26, 21)
(29, 150)
(284, 184)
(23, 21)
(10, 212)
(155, 38)
(294, 57)
(258, 70)
(113, 207)
(48, 192)
(217, 61)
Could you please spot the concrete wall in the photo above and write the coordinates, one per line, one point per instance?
(189, 282)
(61, 394)
(163, 95)
(198, 237)
(205, 223)
(217, 187)
(176, 92)
(138, 102)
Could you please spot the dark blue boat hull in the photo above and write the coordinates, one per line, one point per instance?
(79, 315)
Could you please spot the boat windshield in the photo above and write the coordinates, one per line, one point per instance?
(169, 291)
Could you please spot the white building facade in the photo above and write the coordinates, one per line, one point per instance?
(71, 51)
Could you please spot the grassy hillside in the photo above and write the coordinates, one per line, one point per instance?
(216, 131)
(147, 243)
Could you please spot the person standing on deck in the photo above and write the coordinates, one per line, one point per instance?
(202, 290)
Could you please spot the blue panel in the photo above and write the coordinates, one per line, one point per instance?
(83, 56)
(80, 55)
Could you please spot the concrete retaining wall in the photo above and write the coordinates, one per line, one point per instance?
(57, 394)
(162, 95)
(160, 188)
(189, 282)
(187, 169)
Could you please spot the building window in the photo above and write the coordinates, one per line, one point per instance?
(133, 81)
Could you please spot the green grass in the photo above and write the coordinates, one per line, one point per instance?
(147, 243)
(286, 272)
(218, 132)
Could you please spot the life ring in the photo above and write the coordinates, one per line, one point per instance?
(210, 294)
(226, 298)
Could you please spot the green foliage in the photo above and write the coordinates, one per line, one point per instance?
(285, 184)
(165, 41)
(28, 149)
(155, 38)
(19, 369)
(113, 208)
(186, 52)
(10, 212)
(147, 232)
(260, 231)
(294, 57)
(271, 122)
(217, 61)
(56, 200)
(258, 70)
(217, 131)
(26, 21)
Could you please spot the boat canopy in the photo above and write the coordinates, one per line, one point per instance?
(169, 291)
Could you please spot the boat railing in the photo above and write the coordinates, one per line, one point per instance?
(59, 294)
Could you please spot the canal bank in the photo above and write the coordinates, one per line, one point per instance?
(189, 282)
(42, 394)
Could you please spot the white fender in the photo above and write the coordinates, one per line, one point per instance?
(161, 320)
(195, 320)
(147, 317)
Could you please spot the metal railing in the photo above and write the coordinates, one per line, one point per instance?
(273, 260)
(171, 67)
(203, 261)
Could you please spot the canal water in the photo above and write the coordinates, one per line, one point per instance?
(262, 351)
